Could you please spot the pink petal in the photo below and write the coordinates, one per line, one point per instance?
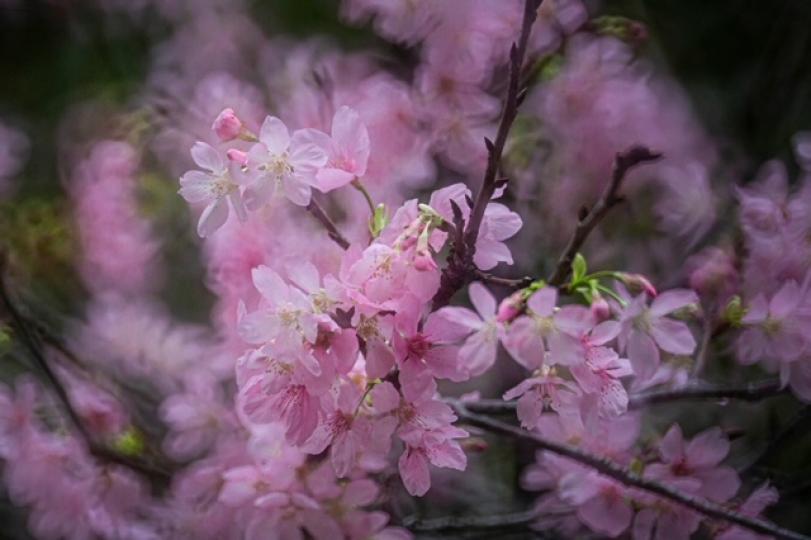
(670, 301)
(671, 447)
(328, 179)
(385, 398)
(414, 472)
(478, 353)
(673, 336)
(643, 354)
(207, 157)
(212, 218)
(708, 448)
(543, 302)
(274, 135)
(482, 300)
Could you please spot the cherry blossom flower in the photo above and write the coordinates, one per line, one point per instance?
(281, 161)
(695, 466)
(645, 330)
(479, 349)
(216, 187)
(347, 150)
(544, 328)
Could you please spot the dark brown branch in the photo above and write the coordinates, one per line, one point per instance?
(476, 521)
(32, 343)
(518, 283)
(752, 392)
(609, 468)
(623, 162)
(461, 269)
(332, 230)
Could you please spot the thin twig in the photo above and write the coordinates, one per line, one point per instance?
(751, 393)
(626, 477)
(704, 347)
(518, 283)
(623, 162)
(332, 230)
(477, 521)
(461, 269)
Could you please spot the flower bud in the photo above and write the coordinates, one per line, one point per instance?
(424, 262)
(600, 308)
(227, 125)
(637, 283)
(511, 307)
(237, 156)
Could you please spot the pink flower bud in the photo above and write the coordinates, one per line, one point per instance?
(510, 308)
(227, 125)
(638, 282)
(424, 262)
(600, 309)
(237, 156)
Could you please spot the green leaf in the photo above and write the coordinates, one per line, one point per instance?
(379, 220)
(129, 442)
(579, 269)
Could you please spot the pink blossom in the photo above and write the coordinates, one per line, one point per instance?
(754, 505)
(645, 330)
(695, 466)
(347, 150)
(479, 349)
(776, 328)
(281, 161)
(216, 188)
(546, 328)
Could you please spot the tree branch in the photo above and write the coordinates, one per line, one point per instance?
(752, 392)
(484, 521)
(31, 342)
(460, 268)
(623, 162)
(332, 230)
(518, 283)
(609, 468)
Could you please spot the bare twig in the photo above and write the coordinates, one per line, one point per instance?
(704, 346)
(609, 468)
(461, 269)
(518, 283)
(623, 162)
(751, 392)
(478, 521)
(332, 230)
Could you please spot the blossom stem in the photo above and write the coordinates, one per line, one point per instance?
(360, 187)
(461, 269)
(623, 162)
(609, 468)
(332, 230)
